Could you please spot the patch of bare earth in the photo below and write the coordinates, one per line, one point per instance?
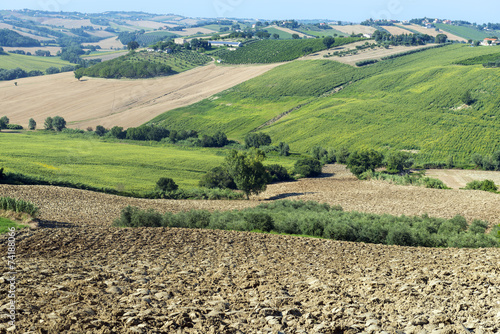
(92, 278)
(455, 178)
(111, 102)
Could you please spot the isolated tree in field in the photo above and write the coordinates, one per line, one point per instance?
(166, 184)
(441, 38)
(32, 124)
(48, 124)
(328, 41)
(247, 171)
(132, 45)
(276, 36)
(58, 123)
(79, 74)
(295, 36)
(398, 161)
(363, 161)
(467, 98)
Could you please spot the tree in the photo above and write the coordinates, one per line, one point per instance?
(441, 38)
(117, 132)
(398, 161)
(343, 155)
(48, 124)
(218, 177)
(257, 140)
(247, 171)
(284, 149)
(307, 167)
(58, 123)
(477, 159)
(32, 124)
(3, 125)
(100, 130)
(79, 73)
(467, 98)
(328, 41)
(276, 36)
(295, 36)
(132, 45)
(362, 161)
(166, 184)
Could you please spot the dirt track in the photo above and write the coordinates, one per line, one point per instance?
(109, 102)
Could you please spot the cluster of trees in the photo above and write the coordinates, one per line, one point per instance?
(54, 123)
(487, 162)
(17, 73)
(257, 139)
(123, 68)
(13, 39)
(383, 37)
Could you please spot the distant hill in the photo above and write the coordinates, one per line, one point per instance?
(12, 38)
(412, 102)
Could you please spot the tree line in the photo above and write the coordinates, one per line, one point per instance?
(13, 39)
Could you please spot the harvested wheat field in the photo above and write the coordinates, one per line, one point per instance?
(112, 43)
(433, 32)
(337, 187)
(354, 29)
(110, 102)
(456, 178)
(397, 30)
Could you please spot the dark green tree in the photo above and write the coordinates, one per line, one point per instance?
(363, 161)
(166, 184)
(117, 132)
(308, 167)
(295, 36)
(328, 41)
(342, 155)
(467, 98)
(31, 124)
(218, 177)
(58, 123)
(398, 161)
(247, 171)
(441, 38)
(133, 45)
(284, 149)
(100, 130)
(257, 140)
(48, 124)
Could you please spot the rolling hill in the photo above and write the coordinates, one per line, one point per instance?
(30, 63)
(411, 102)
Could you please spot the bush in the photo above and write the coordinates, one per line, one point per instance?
(308, 167)
(259, 221)
(257, 140)
(218, 177)
(486, 185)
(14, 127)
(52, 70)
(18, 206)
(362, 161)
(166, 184)
(278, 173)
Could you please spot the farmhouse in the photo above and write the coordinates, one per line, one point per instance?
(490, 41)
(222, 43)
(180, 41)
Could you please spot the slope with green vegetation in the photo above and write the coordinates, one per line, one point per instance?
(412, 102)
(11, 61)
(122, 165)
(467, 32)
(274, 51)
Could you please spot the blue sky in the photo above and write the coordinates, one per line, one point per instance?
(473, 11)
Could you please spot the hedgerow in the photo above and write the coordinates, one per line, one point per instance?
(18, 206)
(322, 220)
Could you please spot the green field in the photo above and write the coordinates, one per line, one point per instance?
(129, 167)
(411, 102)
(274, 51)
(30, 63)
(467, 32)
(281, 33)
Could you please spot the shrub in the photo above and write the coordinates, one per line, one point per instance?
(486, 185)
(400, 235)
(52, 70)
(18, 206)
(257, 140)
(362, 161)
(434, 183)
(14, 127)
(278, 173)
(308, 167)
(218, 177)
(166, 184)
(259, 221)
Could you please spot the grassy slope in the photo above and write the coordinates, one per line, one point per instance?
(324, 33)
(30, 63)
(408, 103)
(283, 34)
(466, 32)
(121, 166)
(5, 224)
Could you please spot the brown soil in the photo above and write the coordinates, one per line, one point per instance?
(110, 102)
(337, 187)
(91, 278)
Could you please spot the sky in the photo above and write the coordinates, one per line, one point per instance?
(353, 11)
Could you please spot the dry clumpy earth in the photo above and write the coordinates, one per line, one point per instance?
(87, 277)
